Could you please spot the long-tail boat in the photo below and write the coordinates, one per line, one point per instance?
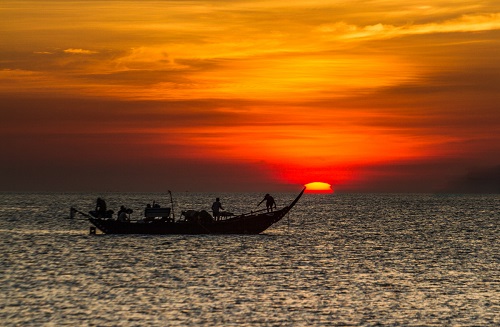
(160, 221)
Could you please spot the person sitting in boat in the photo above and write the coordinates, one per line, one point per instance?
(100, 208)
(216, 208)
(123, 214)
(270, 203)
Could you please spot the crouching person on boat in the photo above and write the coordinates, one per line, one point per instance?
(270, 203)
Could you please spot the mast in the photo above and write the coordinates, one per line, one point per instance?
(172, 203)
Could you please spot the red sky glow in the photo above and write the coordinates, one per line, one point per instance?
(367, 96)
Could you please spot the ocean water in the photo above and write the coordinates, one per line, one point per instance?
(335, 260)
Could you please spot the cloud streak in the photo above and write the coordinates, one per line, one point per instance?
(80, 51)
(464, 24)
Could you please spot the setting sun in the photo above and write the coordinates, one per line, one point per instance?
(318, 187)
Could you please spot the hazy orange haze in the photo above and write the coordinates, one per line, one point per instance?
(249, 95)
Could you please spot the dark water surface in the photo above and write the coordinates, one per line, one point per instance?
(337, 260)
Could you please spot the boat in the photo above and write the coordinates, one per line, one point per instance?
(159, 221)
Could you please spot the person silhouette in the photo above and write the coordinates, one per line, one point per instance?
(216, 207)
(269, 202)
(100, 208)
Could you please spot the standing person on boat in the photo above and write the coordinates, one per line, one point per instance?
(269, 202)
(100, 208)
(216, 208)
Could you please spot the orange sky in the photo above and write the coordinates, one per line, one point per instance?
(384, 96)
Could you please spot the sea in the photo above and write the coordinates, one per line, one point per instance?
(334, 260)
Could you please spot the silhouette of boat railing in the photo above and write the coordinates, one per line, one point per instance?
(247, 214)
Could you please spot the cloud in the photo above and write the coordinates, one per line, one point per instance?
(79, 51)
(463, 24)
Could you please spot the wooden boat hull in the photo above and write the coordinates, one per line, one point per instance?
(244, 224)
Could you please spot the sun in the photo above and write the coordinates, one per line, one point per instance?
(318, 187)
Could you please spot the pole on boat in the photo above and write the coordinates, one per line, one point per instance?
(73, 211)
(172, 203)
